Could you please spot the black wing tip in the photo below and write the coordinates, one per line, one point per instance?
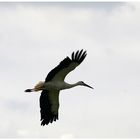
(48, 120)
(79, 56)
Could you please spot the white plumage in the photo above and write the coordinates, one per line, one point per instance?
(54, 82)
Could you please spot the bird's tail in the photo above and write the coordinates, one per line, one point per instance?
(37, 87)
(29, 90)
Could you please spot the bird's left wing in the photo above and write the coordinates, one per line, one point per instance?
(49, 105)
(66, 66)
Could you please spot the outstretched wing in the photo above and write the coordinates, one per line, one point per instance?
(49, 105)
(66, 66)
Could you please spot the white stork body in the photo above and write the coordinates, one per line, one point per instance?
(57, 85)
(54, 82)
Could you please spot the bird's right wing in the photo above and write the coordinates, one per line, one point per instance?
(49, 105)
(66, 66)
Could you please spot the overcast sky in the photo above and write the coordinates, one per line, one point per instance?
(35, 37)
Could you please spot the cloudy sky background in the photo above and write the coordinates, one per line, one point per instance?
(35, 37)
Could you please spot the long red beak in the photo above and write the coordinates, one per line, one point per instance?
(88, 86)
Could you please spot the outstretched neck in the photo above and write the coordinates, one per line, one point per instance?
(71, 85)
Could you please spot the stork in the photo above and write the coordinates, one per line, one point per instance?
(54, 82)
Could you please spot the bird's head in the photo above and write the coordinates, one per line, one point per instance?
(81, 83)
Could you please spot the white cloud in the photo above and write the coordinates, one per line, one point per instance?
(67, 136)
(35, 38)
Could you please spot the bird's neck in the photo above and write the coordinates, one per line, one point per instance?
(72, 85)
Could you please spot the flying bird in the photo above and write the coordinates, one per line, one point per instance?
(54, 82)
